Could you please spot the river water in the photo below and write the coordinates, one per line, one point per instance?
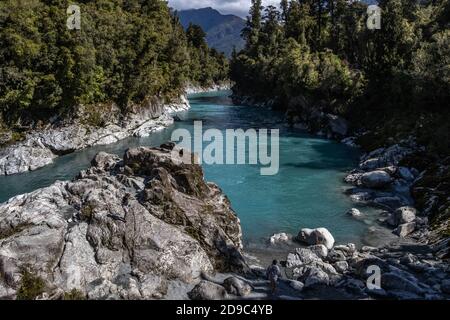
(307, 191)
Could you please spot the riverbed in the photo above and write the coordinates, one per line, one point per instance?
(307, 192)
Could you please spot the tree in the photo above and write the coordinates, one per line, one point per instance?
(284, 5)
(324, 50)
(127, 52)
(253, 25)
(394, 43)
(271, 31)
(196, 36)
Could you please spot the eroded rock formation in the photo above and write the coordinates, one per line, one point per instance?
(123, 229)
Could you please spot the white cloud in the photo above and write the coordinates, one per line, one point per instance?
(238, 7)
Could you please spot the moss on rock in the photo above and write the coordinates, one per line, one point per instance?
(31, 285)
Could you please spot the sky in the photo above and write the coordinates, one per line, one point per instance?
(237, 7)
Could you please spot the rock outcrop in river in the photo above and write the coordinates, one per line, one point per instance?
(41, 147)
(123, 229)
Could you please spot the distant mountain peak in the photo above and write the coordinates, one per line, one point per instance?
(223, 30)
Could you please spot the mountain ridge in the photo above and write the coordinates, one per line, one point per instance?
(223, 31)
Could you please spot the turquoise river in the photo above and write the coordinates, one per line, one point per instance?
(307, 191)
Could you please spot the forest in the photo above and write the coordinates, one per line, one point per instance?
(317, 54)
(126, 52)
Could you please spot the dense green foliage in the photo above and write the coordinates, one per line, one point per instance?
(395, 80)
(207, 65)
(126, 52)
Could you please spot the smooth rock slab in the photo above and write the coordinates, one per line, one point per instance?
(296, 285)
(237, 287)
(207, 290)
(337, 125)
(405, 229)
(376, 179)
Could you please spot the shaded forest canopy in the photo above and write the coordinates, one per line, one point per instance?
(126, 52)
(317, 54)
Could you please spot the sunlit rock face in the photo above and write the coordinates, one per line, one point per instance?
(123, 229)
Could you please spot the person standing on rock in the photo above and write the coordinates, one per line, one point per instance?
(273, 273)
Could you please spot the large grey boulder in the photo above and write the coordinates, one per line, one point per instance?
(404, 215)
(389, 203)
(315, 276)
(350, 141)
(371, 164)
(302, 256)
(341, 266)
(320, 250)
(376, 179)
(405, 229)
(122, 229)
(237, 287)
(280, 239)
(296, 285)
(338, 125)
(24, 157)
(207, 290)
(316, 236)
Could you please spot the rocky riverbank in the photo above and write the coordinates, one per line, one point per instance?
(299, 116)
(402, 174)
(192, 89)
(412, 265)
(133, 228)
(411, 189)
(407, 270)
(149, 227)
(41, 147)
(413, 260)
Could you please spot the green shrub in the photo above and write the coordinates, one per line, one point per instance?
(74, 294)
(31, 285)
(86, 212)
